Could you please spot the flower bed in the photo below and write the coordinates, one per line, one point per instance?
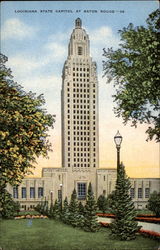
(146, 215)
(106, 215)
(146, 233)
(151, 220)
(149, 233)
(138, 218)
(28, 216)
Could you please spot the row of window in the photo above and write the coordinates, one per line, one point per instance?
(81, 101)
(81, 133)
(82, 90)
(80, 74)
(82, 117)
(80, 79)
(140, 192)
(81, 95)
(81, 149)
(83, 107)
(81, 189)
(81, 138)
(82, 85)
(84, 144)
(82, 154)
(78, 122)
(81, 69)
(81, 165)
(82, 111)
(24, 192)
(81, 159)
(82, 123)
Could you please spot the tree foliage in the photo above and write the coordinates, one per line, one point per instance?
(90, 221)
(24, 126)
(8, 207)
(74, 218)
(124, 226)
(57, 210)
(65, 211)
(111, 201)
(102, 203)
(135, 69)
(81, 208)
(42, 207)
(154, 203)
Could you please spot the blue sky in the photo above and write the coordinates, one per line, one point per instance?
(36, 47)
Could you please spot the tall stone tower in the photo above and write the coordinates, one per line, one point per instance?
(80, 146)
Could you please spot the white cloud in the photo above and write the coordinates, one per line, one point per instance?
(42, 83)
(50, 86)
(58, 50)
(15, 29)
(104, 35)
(60, 36)
(102, 38)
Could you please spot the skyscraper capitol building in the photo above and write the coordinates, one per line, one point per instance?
(80, 139)
(79, 105)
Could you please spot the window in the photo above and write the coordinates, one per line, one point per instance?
(147, 192)
(139, 192)
(81, 187)
(15, 192)
(79, 50)
(132, 193)
(24, 192)
(32, 192)
(40, 192)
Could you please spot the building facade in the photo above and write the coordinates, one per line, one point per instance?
(80, 139)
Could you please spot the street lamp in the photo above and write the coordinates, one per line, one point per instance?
(118, 140)
(61, 185)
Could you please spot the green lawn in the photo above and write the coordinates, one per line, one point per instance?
(45, 234)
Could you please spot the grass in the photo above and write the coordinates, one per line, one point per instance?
(28, 212)
(46, 234)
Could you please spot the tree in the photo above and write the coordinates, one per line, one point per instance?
(74, 218)
(135, 69)
(9, 208)
(124, 226)
(154, 203)
(65, 211)
(81, 208)
(90, 221)
(110, 201)
(57, 209)
(24, 128)
(102, 203)
(51, 210)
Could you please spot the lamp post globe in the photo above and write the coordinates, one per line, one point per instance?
(118, 140)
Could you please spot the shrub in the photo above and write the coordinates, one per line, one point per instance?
(124, 226)
(90, 219)
(9, 208)
(154, 203)
(102, 203)
(74, 218)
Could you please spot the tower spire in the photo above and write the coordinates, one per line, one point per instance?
(78, 23)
